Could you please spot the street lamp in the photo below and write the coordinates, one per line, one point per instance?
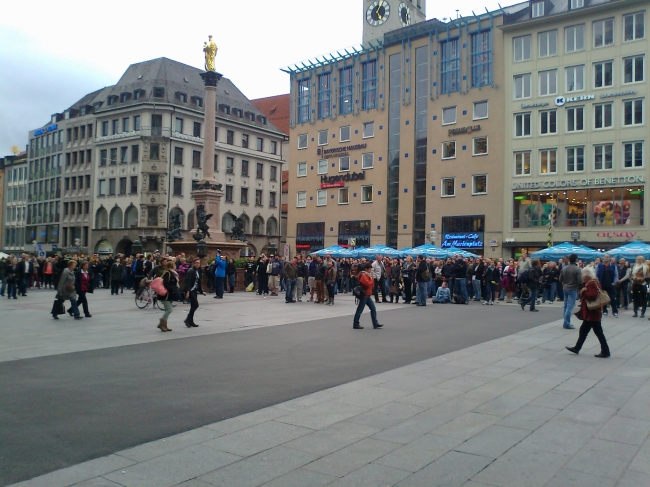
(201, 249)
(136, 247)
(272, 248)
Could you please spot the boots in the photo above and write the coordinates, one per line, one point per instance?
(163, 325)
(331, 303)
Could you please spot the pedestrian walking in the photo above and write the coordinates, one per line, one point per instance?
(367, 284)
(83, 285)
(591, 318)
(639, 274)
(193, 288)
(170, 281)
(571, 279)
(66, 289)
(533, 278)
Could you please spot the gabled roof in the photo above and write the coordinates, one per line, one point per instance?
(276, 109)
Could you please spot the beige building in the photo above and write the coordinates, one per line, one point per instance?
(576, 129)
(399, 142)
(15, 238)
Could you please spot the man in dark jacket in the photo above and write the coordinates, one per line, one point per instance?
(607, 274)
(117, 274)
(249, 276)
(422, 277)
(24, 270)
(460, 278)
(290, 273)
(262, 276)
(193, 289)
(302, 273)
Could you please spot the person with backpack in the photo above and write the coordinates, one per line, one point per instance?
(363, 293)
(533, 277)
(192, 286)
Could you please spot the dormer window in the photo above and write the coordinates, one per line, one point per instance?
(67, 115)
(577, 4)
(238, 112)
(158, 92)
(225, 109)
(137, 94)
(537, 9)
(111, 99)
(197, 100)
(250, 116)
(262, 119)
(82, 111)
(182, 97)
(97, 105)
(125, 97)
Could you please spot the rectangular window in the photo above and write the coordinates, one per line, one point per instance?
(448, 187)
(537, 9)
(304, 98)
(229, 193)
(113, 156)
(274, 147)
(344, 196)
(522, 163)
(575, 78)
(134, 184)
(152, 216)
(547, 43)
(634, 26)
(244, 168)
(196, 159)
(522, 124)
(258, 197)
(302, 141)
(575, 118)
(216, 163)
(135, 153)
(577, 4)
(259, 170)
(323, 137)
(481, 59)
(480, 110)
(272, 199)
(322, 166)
(153, 182)
(548, 161)
(104, 130)
(103, 155)
(230, 137)
(368, 130)
(479, 184)
(369, 85)
(480, 146)
(102, 187)
(136, 122)
(521, 47)
(522, 86)
(344, 164)
(604, 33)
(301, 199)
(123, 154)
(230, 165)
(575, 159)
(260, 144)
(178, 156)
(321, 197)
(633, 154)
(244, 196)
(603, 116)
(575, 38)
(244, 141)
(324, 96)
(366, 194)
(367, 160)
(345, 100)
(125, 125)
(302, 169)
(548, 82)
(633, 69)
(178, 186)
(603, 157)
(603, 74)
(449, 149)
(197, 129)
(116, 126)
(450, 66)
(633, 112)
(449, 115)
(548, 122)
(112, 186)
(122, 185)
(344, 134)
(154, 152)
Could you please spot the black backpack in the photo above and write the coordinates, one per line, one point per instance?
(359, 292)
(458, 299)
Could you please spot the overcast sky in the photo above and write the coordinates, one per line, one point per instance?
(53, 53)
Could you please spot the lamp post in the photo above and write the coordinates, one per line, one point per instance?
(201, 249)
(136, 247)
(272, 248)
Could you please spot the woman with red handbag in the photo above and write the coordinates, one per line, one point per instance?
(591, 318)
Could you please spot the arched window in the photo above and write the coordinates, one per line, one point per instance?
(227, 222)
(172, 213)
(272, 226)
(116, 218)
(258, 225)
(131, 217)
(190, 220)
(247, 224)
(101, 218)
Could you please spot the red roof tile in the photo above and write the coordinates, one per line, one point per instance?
(276, 108)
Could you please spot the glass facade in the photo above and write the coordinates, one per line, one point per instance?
(324, 96)
(421, 116)
(359, 229)
(304, 96)
(450, 66)
(394, 106)
(481, 59)
(310, 236)
(345, 101)
(369, 87)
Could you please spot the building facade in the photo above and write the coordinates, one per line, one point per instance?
(399, 142)
(15, 238)
(576, 123)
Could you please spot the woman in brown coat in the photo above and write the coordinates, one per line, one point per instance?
(590, 317)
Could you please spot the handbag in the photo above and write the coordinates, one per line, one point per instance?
(601, 301)
(269, 268)
(58, 308)
(359, 292)
(159, 286)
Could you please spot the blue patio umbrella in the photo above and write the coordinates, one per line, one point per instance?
(328, 250)
(564, 249)
(384, 250)
(631, 250)
(427, 250)
(456, 251)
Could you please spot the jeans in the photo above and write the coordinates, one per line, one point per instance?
(570, 297)
(345, 281)
(3, 287)
(367, 301)
(549, 292)
(489, 291)
(431, 288)
(231, 282)
(461, 288)
(598, 331)
(421, 293)
(169, 307)
(291, 287)
(476, 284)
(611, 292)
(73, 307)
(218, 286)
(194, 305)
(11, 289)
(408, 287)
(532, 299)
(22, 286)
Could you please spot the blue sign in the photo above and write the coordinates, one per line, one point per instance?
(462, 240)
(39, 246)
(51, 128)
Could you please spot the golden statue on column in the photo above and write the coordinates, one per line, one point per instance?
(210, 49)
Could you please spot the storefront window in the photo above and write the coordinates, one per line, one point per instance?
(607, 207)
(310, 236)
(359, 229)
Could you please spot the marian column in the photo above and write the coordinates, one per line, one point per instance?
(207, 192)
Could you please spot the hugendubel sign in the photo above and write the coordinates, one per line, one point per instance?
(339, 181)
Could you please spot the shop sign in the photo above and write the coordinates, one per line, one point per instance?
(465, 130)
(462, 240)
(494, 243)
(535, 105)
(576, 183)
(575, 235)
(303, 246)
(340, 150)
(625, 235)
(51, 128)
(618, 93)
(339, 181)
(562, 100)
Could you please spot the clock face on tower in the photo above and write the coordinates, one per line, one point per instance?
(378, 12)
(404, 14)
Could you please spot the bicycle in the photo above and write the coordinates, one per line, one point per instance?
(148, 296)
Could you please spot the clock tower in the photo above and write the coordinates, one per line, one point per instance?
(382, 16)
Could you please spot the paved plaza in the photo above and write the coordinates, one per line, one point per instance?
(448, 396)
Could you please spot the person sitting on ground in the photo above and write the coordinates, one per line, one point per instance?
(443, 294)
